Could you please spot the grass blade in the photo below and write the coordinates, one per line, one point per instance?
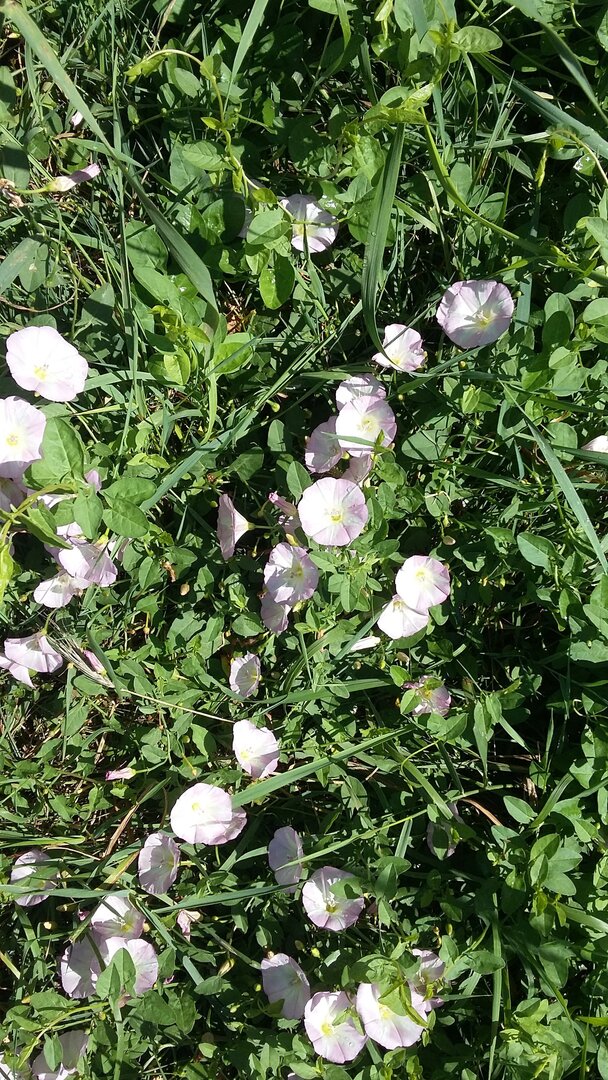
(378, 232)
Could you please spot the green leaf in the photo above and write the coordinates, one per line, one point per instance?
(536, 550)
(17, 261)
(519, 810)
(39, 521)
(484, 962)
(7, 569)
(62, 454)
(476, 39)
(204, 155)
(135, 489)
(126, 519)
(277, 281)
(378, 231)
(87, 512)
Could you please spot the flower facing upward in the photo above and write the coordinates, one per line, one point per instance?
(398, 620)
(290, 574)
(255, 749)
(386, 1027)
(41, 360)
(403, 348)
(204, 814)
(244, 676)
(333, 512)
(21, 431)
(475, 313)
(283, 980)
(323, 450)
(433, 697)
(311, 221)
(358, 386)
(230, 526)
(116, 917)
(325, 900)
(158, 863)
(423, 582)
(35, 870)
(331, 1027)
(284, 854)
(34, 653)
(365, 423)
(73, 1046)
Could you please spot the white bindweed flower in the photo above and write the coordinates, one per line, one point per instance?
(358, 386)
(36, 873)
(285, 852)
(34, 653)
(331, 1027)
(398, 620)
(73, 1047)
(204, 814)
(333, 512)
(283, 980)
(323, 450)
(364, 424)
(599, 444)
(230, 526)
(158, 863)
(255, 749)
(423, 582)
(62, 184)
(116, 917)
(311, 224)
(244, 676)
(143, 955)
(326, 900)
(385, 1026)
(290, 574)
(41, 360)
(21, 432)
(56, 592)
(475, 313)
(403, 349)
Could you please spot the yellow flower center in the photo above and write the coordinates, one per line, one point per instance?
(336, 516)
(327, 1028)
(41, 372)
(196, 806)
(385, 1012)
(12, 439)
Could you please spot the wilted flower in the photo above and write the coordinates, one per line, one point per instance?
(283, 980)
(475, 313)
(599, 444)
(80, 967)
(327, 906)
(116, 917)
(274, 616)
(255, 749)
(284, 854)
(143, 955)
(34, 653)
(73, 1047)
(311, 221)
(430, 971)
(323, 450)
(21, 432)
(41, 360)
(331, 1028)
(386, 1027)
(34, 870)
(56, 592)
(289, 514)
(398, 620)
(365, 423)
(204, 815)
(423, 582)
(433, 697)
(185, 919)
(244, 676)
(87, 562)
(290, 574)
(230, 526)
(403, 349)
(65, 183)
(333, 512)
(158, 863)
(358, 386)
(121, 774)
(364, 643)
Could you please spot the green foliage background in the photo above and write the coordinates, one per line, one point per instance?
(452, 141)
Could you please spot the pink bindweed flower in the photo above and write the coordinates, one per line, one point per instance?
(255, 749)
(80, 967)
(358, 386)
(88, 562)
(56, 592)
(323, 450)
(365, 424)
(386, 1027)
(398, 620)
(230, 526)
(283, 980)
(34, 870)
(21, 432)
(333, 512)
(62, 184)
(41, 360)
(204, 814)
(290, 574)
(158, 863)
(310, 221)
(433, 697)
(423, 582)
(76, 119)
(326, 901)
(244, 676)
(403, 348)
(358, 469)
(185, 919)
(284, 854)
(121, 774)
(599, 444)
(116, 917)
(289, 514)
(143, 955)
(34, 653)
(475, 313)
(365, 643)
(441, 837)
(19, 672)
(274, 616)
(331, 1027)
(430, 971)
(73, 1047)
(12, 495)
